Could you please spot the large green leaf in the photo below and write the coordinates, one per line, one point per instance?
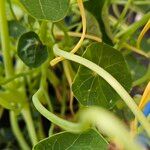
(31, 50)
(90, 140)
(53, 10)
(89, 88)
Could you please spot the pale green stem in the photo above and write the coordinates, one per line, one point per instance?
(17, 131)
(132, 28)
(30, 125)
(137, 2)
(53, 118)
(5, 40)
(124, 12)
(16, 76)
(108, 124)
(111, 80)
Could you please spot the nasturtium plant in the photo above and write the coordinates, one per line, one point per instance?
(74, 74)
(89, 88)
(53, 10)
(65, 140)
(31, 50)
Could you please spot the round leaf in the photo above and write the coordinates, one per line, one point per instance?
(53, 10)
(31, 50)
(89, 88)
(90, 140)
(15, 29)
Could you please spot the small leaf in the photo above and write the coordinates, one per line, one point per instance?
(92, 25)
(89, 88)
(53, 10)
(90, 140)
(136, 66)
(96, 8)
(12, 99)
(31, 50)
(15, 29)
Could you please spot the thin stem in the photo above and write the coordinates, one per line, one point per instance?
(116, 10)
(124, 12)
(15, 77)
(136, 50)
(11, 9)
(88, 36)
(53, 118)
(69, 79)
(132, 28)
(145, 97)
(30, 125)
(145, 29)
(43, 87)
(78, 45)
(111, 80)
(137, 2)
(5, 40)
(17, 131)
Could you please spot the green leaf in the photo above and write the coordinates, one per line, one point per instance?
(92, 25)
(137, 66)
(31, 50)
(89, 88)
(53, 10)
(89, 140)
(98, 10)
(12, 99)
(15, 29)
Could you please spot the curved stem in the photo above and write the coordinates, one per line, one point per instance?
(145, 29)
(75, 49)
(145, 97)
(53, 118)
(97, 39)
(109, 125)
(17, 132)
(111, 80)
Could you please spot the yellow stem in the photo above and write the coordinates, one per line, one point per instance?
(145, 97)
(136, 50)
(78, 45)
(145, 29)
(97, 39)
